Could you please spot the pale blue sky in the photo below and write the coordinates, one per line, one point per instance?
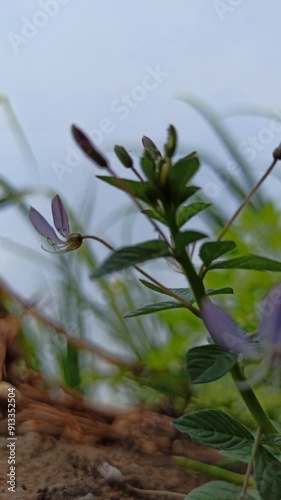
(89, 55)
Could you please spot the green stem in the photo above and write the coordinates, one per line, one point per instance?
(211, 470)
(194, 279)
(247, 479)
(252, 402)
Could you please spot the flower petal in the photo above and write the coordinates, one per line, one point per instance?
(42, 226)
(270, 323)
(60, 216)
(224, 330)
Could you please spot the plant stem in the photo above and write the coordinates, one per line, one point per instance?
(243, 494)
(202, 271)
(252, 402)
(148, 276)
(183, 258)
(247, 199)
(210, 470)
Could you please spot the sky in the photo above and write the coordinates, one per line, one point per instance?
(119, 69)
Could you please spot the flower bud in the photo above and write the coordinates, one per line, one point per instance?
(88, 148)
(170, 146)
(123, 156)
(277, 153)
(149, 146)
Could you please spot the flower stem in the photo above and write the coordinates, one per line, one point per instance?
(247, 479)
(252, 402)
(210, 470)
(247, 199)
(166, 290)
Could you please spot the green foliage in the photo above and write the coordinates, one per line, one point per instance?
(209, 362)
(186, 212)
(249, 262)
(267, 471)
(214, 249)
(220, 490)
(130, 256)
(216, 429)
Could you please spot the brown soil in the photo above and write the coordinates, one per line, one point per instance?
(67, 449)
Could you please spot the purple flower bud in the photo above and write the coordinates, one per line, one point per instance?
(87, 147)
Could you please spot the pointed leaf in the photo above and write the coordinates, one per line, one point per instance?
(132, 255)
(141, 190)
(220, 490)
(215, 429)
(180, 174)
(186, 293)
(153, 308)
(148, 167)
(267, 472)
(187, 237)
(209, 362)
(214, 249)
(272, 439)
(186, 193)
(250, 262)
(185, 213)
(153, 214)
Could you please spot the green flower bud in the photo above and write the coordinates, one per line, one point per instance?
(123, 156)
(171, 145)
(149, 145)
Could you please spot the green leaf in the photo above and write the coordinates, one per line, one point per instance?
(186, 193)
(148, 167)
(186, 293)
(153, 308)
(251, 261)
(272, 439)
(215, 429)
(220, 490)
(132, 255)
(188, 237)
(267, 473)
(185, 213)
(209, 362)
(214, 249)
(141, 190)
(179, 175)
(153, 214)
(241, 455)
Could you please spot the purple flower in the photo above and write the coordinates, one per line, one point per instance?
(61, 222)
(226, 333)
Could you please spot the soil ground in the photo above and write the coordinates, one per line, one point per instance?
(68, 448)
(49, 468)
